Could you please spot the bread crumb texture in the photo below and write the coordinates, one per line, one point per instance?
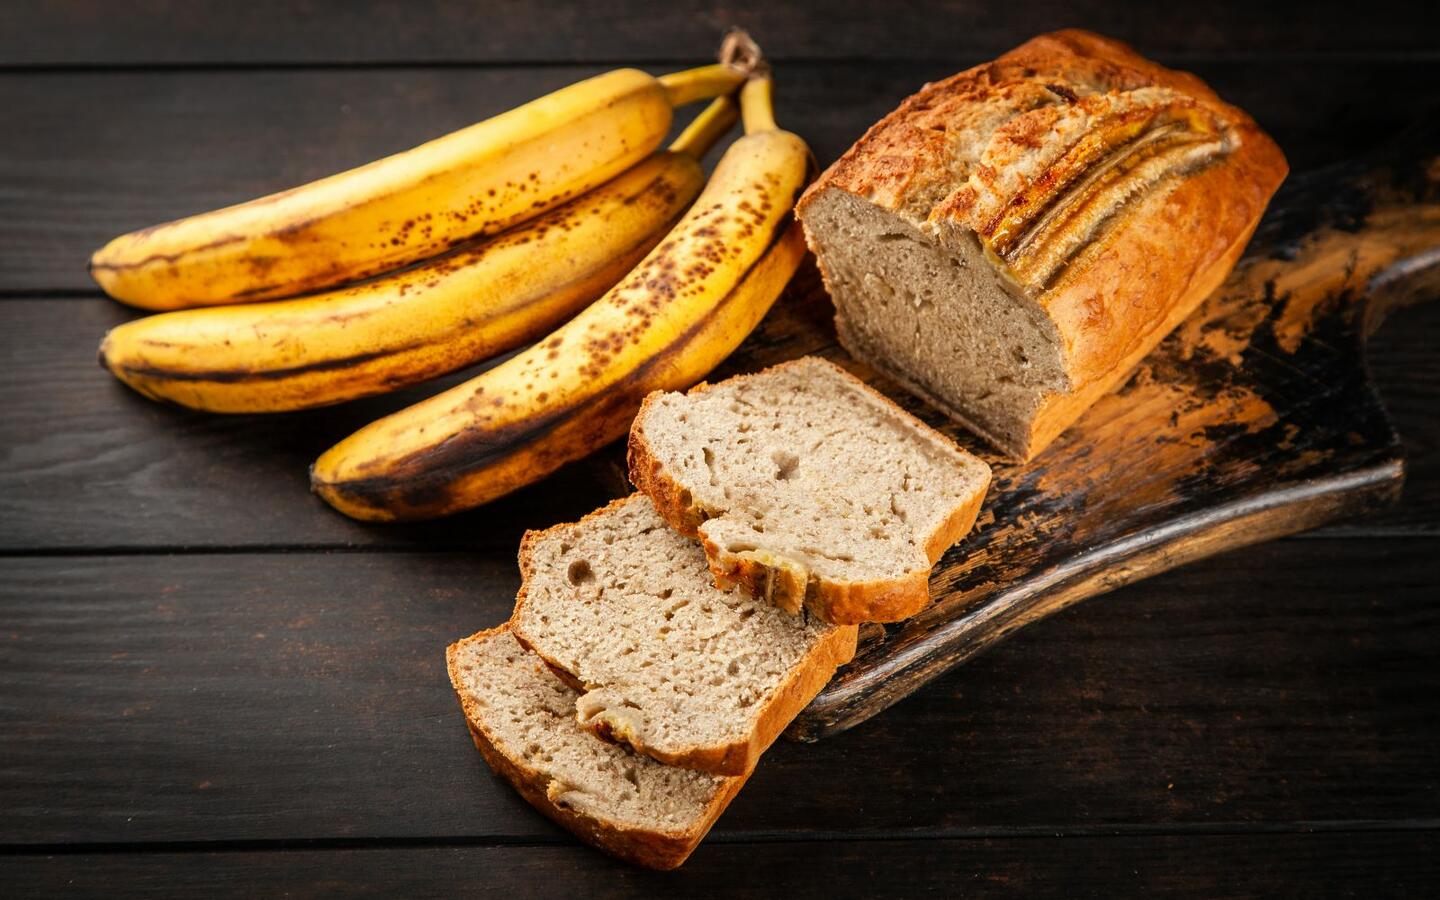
(670, 663)
(528, 714)
(807, 471)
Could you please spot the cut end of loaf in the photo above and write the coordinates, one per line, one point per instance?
(808, 489)
(938, 316)
(1010, 241)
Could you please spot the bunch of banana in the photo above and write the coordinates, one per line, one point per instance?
(682, 310)
(410, 206)
(473, 303)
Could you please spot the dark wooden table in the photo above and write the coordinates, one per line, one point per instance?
(211, 683)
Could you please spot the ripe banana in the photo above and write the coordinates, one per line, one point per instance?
(665, 326)
(410, 206)
(456, 310)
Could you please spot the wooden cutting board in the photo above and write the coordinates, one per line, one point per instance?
(1254, 420)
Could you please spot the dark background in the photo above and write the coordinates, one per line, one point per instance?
(210, 682)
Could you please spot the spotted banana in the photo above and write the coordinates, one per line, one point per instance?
(410, 206)
(682, 310)
(478, 301)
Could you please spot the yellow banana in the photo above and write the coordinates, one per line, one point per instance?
(410, 206)
(456, 310)
(665, 326)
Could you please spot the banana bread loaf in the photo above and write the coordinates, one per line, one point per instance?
(1011, 241)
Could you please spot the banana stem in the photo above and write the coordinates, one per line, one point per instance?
(701, 83)
(757, 105)
(700, 135)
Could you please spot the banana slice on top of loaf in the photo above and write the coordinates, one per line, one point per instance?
(808, 488)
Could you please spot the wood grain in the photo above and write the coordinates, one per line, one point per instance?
(1211, 866)
(135, 474)
(116, 472)
(1412, 408)
(89, 155)
(244, 697)
(174, 32)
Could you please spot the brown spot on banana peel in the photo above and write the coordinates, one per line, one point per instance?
(661, 191)
(167, 258)
(337, 273)
(475, 241)
(240, 376)
(421, 484)
(290, 233)
(156, 293)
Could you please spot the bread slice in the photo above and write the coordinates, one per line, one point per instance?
(522, 718)
(808, 488)
(670, 665)
(1011, 241)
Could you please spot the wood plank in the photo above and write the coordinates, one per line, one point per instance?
(302, 697)
(91, 155)
(136, 475)
(1365, 864)
(1410, 390)
(93, 32)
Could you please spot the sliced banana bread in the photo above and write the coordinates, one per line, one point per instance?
(522, 717)
(676, 668)
(808, 488)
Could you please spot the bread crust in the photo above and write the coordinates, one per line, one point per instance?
(653, 849)
(1134, 272)
(736, 758)
(836, 602)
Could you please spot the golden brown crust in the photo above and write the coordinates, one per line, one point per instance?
(843, 602)
(1058, 411)
(675, 504)
(836, 602)
(738, 757)
(1018, 151)
(652, 849)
